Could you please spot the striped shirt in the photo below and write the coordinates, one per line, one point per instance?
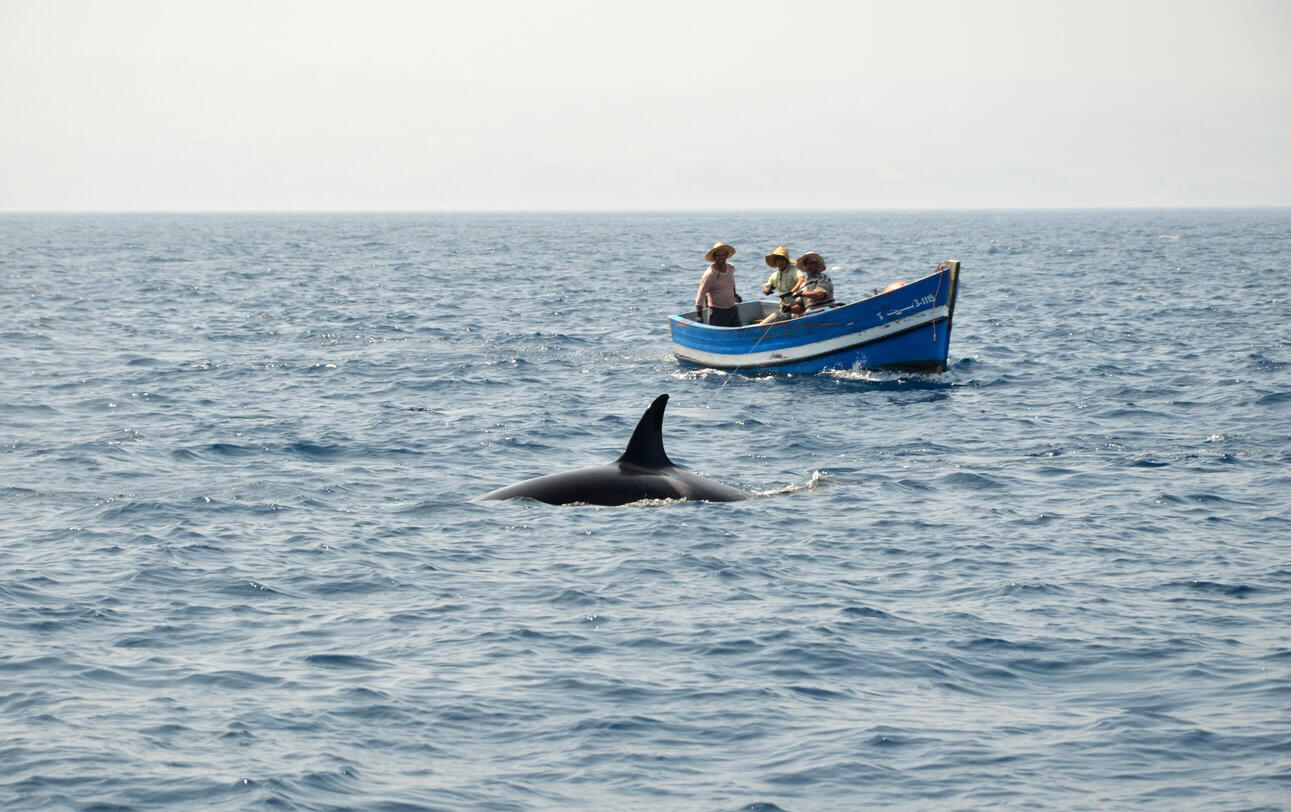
(718, 287)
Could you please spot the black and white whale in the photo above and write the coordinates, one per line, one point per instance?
(642, 472)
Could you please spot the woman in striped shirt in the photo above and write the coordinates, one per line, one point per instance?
(717, 288)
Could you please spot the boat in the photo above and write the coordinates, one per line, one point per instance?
(905, 328)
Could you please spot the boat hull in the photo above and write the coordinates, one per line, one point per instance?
(907, 328)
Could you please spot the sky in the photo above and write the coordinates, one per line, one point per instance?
(393, 105)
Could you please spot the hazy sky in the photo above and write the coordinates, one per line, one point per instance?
(321, 105)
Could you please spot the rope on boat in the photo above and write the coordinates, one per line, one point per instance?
(765, 332)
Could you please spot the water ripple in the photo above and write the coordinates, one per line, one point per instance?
(242, 564)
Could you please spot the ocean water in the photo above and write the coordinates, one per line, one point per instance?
(242, 564)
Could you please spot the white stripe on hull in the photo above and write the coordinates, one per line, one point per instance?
(802, 352)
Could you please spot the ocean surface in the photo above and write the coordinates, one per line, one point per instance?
(242, 564)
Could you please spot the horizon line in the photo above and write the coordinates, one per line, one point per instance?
(1110, 208)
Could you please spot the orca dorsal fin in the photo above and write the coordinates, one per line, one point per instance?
(646, 446)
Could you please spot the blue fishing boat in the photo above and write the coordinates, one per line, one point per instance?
(904, 328)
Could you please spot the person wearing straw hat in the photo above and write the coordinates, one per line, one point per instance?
(814, 289)
(717, 288)
(782, 281)
(817, 289)
(784, 274)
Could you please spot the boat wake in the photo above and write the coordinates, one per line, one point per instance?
(818, 479)
(699, 374)
(892, 379)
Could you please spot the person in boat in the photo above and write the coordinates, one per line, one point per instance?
(784, 275)
(717, 288)
(782, 282)
(814, 289)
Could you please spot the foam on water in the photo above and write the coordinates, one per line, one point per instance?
(242, 562)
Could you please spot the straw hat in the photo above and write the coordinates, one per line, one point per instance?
(730, 252)
(811, 255)
(779, 252)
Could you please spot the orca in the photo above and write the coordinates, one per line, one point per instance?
(642, 472)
